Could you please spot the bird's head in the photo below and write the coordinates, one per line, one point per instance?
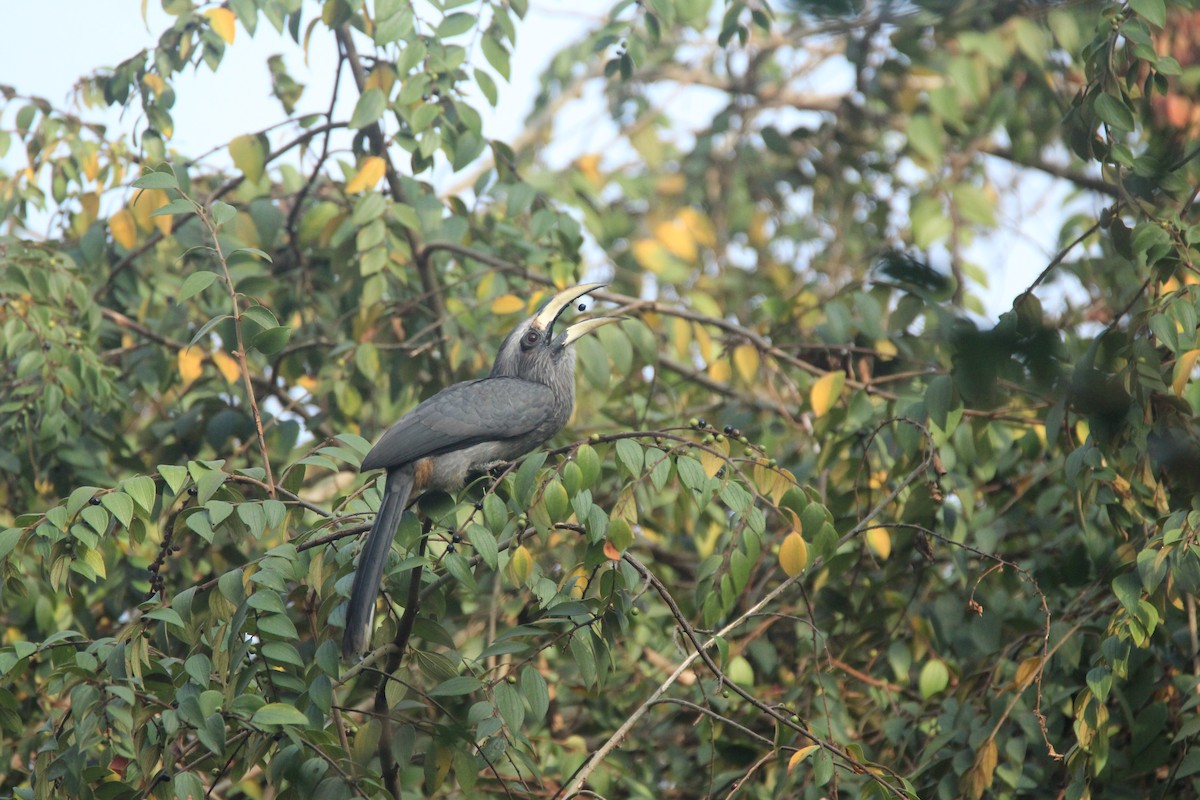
(534, 351)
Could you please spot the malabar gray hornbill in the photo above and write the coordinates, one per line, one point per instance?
(466, 429)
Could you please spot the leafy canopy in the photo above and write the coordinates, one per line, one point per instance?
(818, 528)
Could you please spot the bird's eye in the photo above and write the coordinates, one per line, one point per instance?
(532, 337)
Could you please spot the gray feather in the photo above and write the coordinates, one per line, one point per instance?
(466, 414)
(361, 609)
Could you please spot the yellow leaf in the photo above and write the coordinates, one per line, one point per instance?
(986, 759)
(675, 236)
(222, 21)
(1082, 430)
(886, 349)
(90, 201)
(154, 82)
(507, 304)
(704, 342)
(712, 462)
(793, 554)
(369, 173)
(770, 481)
(681, 336)
(90, 163)
(1184, 366)
(383, 77)
(520, 565)
(589, 168)
(757, 230)
(191, 363)
(145, 203)
(625, 508)
(95, 560)
(483, 289)
(880, 541)
(799, 756)
(651, 255)
(745, 358)
(670, 184)
(579, 582)
(1026, 671)
(719, 371)
(826, 391)
(1039, 431)
(307, 382)
(124, 231)
(700, 225)
(228, 365)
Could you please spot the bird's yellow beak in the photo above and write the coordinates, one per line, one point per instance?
(544, 319)
(585, 327)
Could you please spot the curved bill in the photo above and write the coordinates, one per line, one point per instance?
(585, 327)
(555, 306)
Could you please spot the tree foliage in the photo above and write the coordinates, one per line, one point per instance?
(818, 528)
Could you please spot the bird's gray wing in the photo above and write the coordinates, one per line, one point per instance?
(460, 416)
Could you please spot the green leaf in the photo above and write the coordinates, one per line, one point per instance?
(458, 685)
(261, 316)
(589, 464)
(1153, 11)
(1114, 112)
(924, 137)
(254, 251)
(156, 180)
(143, 491)
(121, 506)
(218, 511)
(1128, 590)
(535, 691)
(8, 540)
(78, 498)
(178, 206)
(512, 710)
(249, 155)
(167, 615)
(484, 543)
(691, 473)
(208, 482)
(222, 212)
(496, 54)
(196, 282)
(455, 24)
(368, 109)
(554, 497)
(199, 668)
(487, 86)
(174, 475)
(526, 477)
(631, 456)
(934, 678)
(272, 340)
(938, 399)
(620, 534)
(278, 625)
(278, 714)
(495, 514)
(254, 517)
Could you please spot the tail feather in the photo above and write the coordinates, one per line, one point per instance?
(361, 609)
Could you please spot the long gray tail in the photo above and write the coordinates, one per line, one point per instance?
(361, 609)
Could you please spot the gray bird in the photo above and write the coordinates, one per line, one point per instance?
(466, 429)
